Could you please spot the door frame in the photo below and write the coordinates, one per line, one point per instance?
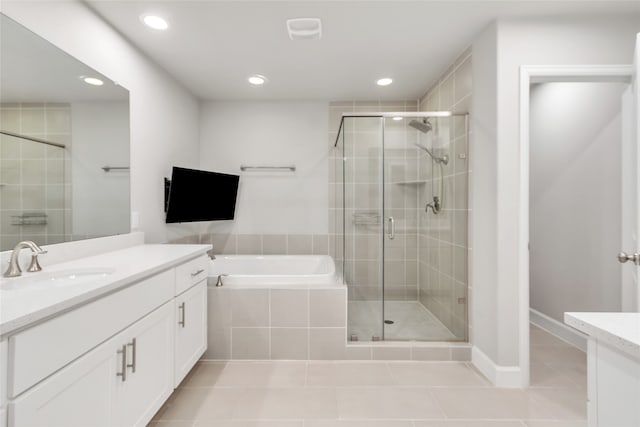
(544, 74)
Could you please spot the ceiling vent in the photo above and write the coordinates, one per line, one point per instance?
(304, 28)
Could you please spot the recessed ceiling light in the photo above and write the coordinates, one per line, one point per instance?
(92, 81)
(384, 81)
(155, 22)
(257, 80)
(397, 118)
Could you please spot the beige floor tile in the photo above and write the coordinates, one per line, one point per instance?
(263, 374)
(335, 374)
(555, 423)
(449, 374)
(235, 423)
(539, 337)
(387, 403)
(171, 424)
(558, 355)
(565, 404)
(456, 423)
(353, 423)
(490, 403)
(204, 374)
(201, 404)
(286, 403)
(543, 375)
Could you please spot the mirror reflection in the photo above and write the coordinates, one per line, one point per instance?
(64, 145)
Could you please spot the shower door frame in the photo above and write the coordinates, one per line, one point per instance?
(383, 116)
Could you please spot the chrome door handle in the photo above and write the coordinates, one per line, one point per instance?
(623, 257)
(123, 365)
(392, 228)
(197, 272)
(132, 365)
(183, 309)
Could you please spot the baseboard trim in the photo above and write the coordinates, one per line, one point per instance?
(558, 329)
(500, 376)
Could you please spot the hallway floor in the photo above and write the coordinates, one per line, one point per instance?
(380, 393)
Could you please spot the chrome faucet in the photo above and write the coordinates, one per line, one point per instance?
(14, 265)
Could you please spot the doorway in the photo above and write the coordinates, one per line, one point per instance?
(532, 75)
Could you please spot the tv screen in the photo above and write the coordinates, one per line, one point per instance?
(196, 195)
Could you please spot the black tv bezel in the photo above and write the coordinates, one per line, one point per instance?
(167, 195)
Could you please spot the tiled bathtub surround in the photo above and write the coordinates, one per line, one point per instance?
(34, 177)
(293, 324)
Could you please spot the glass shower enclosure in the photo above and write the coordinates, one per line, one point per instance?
(401, 224)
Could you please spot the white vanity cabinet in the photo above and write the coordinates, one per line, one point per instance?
(122, 382)
(3, 381)
(113, 361)
(613, 367)
(190, 329)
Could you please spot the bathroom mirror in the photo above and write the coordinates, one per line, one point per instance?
(64, 144)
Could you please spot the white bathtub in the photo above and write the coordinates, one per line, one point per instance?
(274, 270)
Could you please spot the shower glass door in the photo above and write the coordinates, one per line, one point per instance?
(362, 192)
(425, 240)
(404, 200)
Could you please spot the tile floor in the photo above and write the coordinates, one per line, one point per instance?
(411, 321)
(380, 394)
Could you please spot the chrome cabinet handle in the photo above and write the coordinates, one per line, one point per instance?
(183, 309)
(197, 272)
(623, 257)
(392, 228)
(123, 366)
(132, 365)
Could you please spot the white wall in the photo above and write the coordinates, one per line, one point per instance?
(164, 116)
(482, 195)
(270, 133)
(496, 198)
(100, 200)
(575, 197)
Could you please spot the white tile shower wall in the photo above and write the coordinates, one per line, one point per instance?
(443, 239)
(34, 177)
(360, 201)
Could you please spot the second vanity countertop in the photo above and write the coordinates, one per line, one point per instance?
(619, 330)
(23, 306)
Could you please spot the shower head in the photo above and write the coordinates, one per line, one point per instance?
(422, 125)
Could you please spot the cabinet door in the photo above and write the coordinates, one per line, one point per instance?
(149, 380)
(191, 329)
(81, 395)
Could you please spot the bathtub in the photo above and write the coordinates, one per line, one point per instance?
(251, 271)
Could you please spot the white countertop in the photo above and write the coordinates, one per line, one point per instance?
(20, 307)
(620, 330)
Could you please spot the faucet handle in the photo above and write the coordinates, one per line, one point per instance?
(35, 265)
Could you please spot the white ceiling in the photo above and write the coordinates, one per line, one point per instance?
(213, 46)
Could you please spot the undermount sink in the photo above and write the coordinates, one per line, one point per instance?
(55, 279)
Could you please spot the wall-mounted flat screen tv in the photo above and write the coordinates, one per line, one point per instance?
(197, 195)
